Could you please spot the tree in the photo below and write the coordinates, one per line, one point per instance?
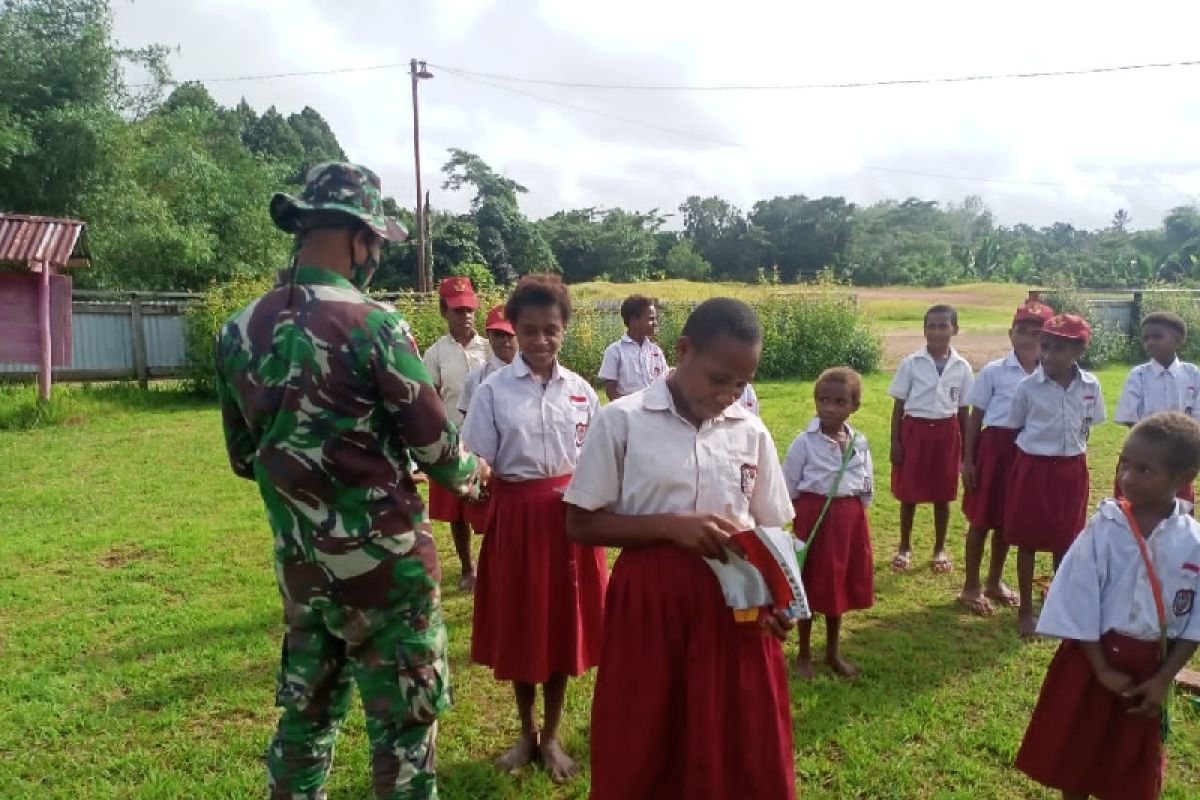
(1121, 220)
(718, 232)
(685, 263)
(511, 244)
(271, 137)
(316, 137)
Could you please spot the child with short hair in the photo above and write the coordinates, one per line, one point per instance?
(928, 419)
(634, 361)
(503, 343)
(539, 602)
(829, 476)
(1123, 603)
(689, 702)
(1053, 410)
(988, 455)
(1164, 383)
(448, 360)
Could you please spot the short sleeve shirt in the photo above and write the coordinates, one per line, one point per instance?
(448, 363)
(642, 457)
(633, 366)
(1054, 421)
(814, 460)
(1151, 388)
(927, 394)
(994, 386)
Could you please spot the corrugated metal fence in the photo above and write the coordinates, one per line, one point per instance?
(119, 335)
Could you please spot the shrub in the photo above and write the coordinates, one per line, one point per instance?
(806, 333)
(203, 321)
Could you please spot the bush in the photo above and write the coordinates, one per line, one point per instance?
(805, 334)
(203, 322)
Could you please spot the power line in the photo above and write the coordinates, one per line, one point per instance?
(870, 167)
(596, 112)
(1059, 73)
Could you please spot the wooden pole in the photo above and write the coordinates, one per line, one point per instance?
(419, 217)
(139, 341)
(45, 343)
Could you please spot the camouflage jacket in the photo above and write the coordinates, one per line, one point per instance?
(322, 401)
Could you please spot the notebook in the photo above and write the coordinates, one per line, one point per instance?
(768, 575)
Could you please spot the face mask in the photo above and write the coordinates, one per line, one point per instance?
(361, 274)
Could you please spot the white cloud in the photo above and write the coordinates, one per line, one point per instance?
(1117, 128)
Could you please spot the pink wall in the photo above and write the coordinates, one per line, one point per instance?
(19, 317)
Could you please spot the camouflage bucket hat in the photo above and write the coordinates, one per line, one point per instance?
(338, 188)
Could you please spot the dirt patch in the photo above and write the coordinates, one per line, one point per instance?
(978, 348)
(123, 554)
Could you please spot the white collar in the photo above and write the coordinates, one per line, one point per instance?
(657, 397)
(1111, 509)
(951, 354)
(814, 426)
(1159, 369)
(1040, 375)
(521, 369)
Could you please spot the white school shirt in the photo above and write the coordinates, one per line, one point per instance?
(993, 389)
(526, 430)
(475, 377)
(1055, 421)
(1103, 585)
(633, 366)
(749, 400)
(926, 394)
(642, 457)
(448, 363)
(1151, 388)
(813, 461)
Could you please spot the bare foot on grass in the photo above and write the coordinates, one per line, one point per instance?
(842, 668)
(559, 766)
(804, 669)
(1026, 624)
(520, 755)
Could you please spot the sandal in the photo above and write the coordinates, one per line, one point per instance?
(942, 564)
(979, 606)
(901, 562)
(1007, 598)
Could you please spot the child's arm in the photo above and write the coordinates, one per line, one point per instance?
(610, 370)
(1129, 403)
(970, 438)
(1154, 691)
(964, 416)
(793, 465)
(897, 418)
(433, 366)
(1114, 680)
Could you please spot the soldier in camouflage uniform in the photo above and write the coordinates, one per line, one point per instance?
(323, 395)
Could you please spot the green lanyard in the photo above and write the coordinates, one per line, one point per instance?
(802, 555)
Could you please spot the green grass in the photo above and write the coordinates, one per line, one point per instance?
(982, 306)
(140, 624)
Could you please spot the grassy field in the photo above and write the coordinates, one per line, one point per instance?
(983, 306)
(139, 625)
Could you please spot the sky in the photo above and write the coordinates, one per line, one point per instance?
(1071, 149)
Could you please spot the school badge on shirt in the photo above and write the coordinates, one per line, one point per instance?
(580, 433)
(656, 366)
(1184, 599)
(749, 473)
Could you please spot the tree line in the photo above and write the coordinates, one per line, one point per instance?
(174, 188)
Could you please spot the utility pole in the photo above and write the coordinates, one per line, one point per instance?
(418, 72)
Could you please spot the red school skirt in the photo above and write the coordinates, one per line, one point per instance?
(1047, 501)
(445, 505)
(995, 451)
(688, 702)
(839, 573)
(932, 453)
(1080, 738)
(539, 598)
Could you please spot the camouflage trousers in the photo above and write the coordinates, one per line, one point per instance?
(397, 658)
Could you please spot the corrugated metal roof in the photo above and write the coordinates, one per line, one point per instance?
(36, 239)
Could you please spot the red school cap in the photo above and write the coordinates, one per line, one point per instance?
(1033, 311)
(457, 292)
(497, 321)
(1068, 326)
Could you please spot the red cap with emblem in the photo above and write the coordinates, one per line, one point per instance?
(1068, 326)
(497, 321)
(458, 292)
(1033, 311)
